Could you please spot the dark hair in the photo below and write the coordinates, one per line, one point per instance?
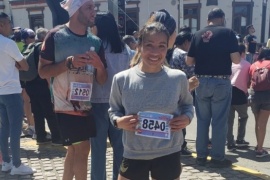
(128, 39)
(241, 48)
(155, 27)
(215, 13)
(182, 37)
(264, 54)
(185, 28)
(165, 18)
(108, 31)
(3, 15)
(249, 26)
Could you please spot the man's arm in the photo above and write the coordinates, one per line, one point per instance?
(190, 61)
(235, 57)
(22, 65)
(48, 69)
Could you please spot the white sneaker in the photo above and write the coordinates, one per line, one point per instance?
(22, 170)
(6, 166)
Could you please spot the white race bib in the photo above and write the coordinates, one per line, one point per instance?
(155, 125)
(80, 91)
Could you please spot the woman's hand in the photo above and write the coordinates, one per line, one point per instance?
(128, 123)
(179, 122)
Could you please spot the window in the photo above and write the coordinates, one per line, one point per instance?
(212, 3)
(192, 16)
(242, 16)
(36, 17)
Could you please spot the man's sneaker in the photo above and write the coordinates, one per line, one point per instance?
(6, 166)
(201, 161)
(231, 147)
(186, 152)
(220, 163)
(43, 141)
(34, 136)
(22, 170)
(261, 153)
(242, 143)
(57, 143)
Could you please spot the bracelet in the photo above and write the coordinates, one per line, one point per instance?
(68, 63)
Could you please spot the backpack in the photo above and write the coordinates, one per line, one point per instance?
(29, 55)
(260, 78)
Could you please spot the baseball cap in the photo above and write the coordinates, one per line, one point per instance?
(28, 33)
(215, 13)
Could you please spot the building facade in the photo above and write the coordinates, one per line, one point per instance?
(193, 13)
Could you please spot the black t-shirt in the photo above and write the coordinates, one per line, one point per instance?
(211, 48)
(251, 45)
(238, 96)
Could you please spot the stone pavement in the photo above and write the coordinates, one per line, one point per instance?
(48, 160)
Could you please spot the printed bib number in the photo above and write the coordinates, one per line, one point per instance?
(155, 125)
(80, 91)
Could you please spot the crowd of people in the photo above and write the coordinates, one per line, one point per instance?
(139, 92)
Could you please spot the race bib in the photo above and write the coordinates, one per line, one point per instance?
(80, 91)
(154, 125)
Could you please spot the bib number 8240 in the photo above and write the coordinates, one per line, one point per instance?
(153, 125)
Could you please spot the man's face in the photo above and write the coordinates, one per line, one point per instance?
(6, 27)
(251, 30)
(87, 14)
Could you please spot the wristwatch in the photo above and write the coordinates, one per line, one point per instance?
(115, 123)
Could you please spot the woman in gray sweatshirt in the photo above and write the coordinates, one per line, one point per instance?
(151, 103)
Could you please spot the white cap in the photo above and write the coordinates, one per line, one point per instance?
(71, 6)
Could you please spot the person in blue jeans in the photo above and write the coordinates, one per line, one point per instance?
(212, 50)
(118, 56)
(11, 104)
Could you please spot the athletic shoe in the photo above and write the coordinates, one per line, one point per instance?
(220, 163)
(57, 143)
(231, 147)
(242, 143)
(261, 153)
(186, 152)
(6, 166)
(201, 161)
(34, 136)
(22, 170)
(43, 141)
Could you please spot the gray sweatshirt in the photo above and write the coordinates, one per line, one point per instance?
(164, 92)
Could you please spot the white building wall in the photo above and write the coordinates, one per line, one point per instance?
(20, 15)
(47, 18)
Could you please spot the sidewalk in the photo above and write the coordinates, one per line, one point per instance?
(48, 160)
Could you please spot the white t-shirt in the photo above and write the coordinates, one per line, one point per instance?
(9, 74)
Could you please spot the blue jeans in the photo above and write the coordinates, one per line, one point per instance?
(11, 115)
(212, 104)
(99, 143)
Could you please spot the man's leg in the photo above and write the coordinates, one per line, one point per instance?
(99, 143)
(38, 114)
(220, 104)
(203, 95)
(47, 108)
(242, 121)
(4, 129)
(115, 136)
(230, 137)
(76, 161)
(14, 109)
